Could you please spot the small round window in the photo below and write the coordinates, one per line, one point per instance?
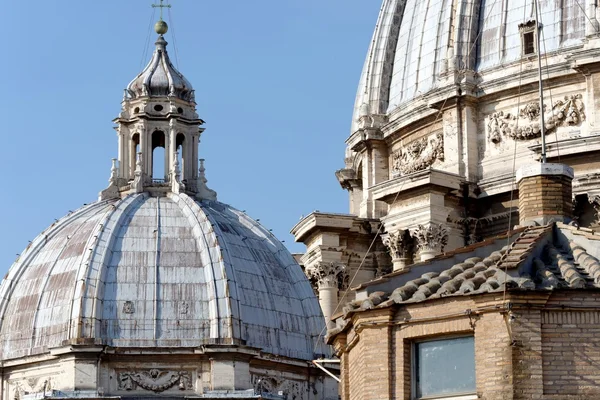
(137, 110)
(180, 110)
(158, 107)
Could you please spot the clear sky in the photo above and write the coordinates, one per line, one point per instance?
(275, 82)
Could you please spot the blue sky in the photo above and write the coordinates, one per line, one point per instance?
(275, 81)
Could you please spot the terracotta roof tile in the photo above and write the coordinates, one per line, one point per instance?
(536, 260)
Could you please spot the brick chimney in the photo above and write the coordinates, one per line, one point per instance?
(545, 194)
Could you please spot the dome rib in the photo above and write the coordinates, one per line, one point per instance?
(89, 238)
(192, 211)
(15, 279)
(89, 313)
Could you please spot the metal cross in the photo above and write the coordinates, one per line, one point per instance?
(161, 6)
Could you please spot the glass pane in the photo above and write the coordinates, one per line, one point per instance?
(445, 367)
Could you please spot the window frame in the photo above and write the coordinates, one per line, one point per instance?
(413, 369)
(529, 27)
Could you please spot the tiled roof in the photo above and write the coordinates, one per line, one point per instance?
(540, 258)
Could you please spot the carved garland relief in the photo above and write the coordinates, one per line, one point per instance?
(155, 380)
(264, 384)
(525, 125)
(418, 155)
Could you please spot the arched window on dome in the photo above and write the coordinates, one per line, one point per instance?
(133, 151)
(158, 165)
(180, 146)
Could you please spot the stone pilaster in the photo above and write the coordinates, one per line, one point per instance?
(329, 279)
(400, 247)
(431, 240)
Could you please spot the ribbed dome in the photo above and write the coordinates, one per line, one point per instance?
(160, 78)
(158, 272)
(417, 44)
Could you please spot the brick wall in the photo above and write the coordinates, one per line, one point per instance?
(571, 346)
(543, 353)
(548, 195)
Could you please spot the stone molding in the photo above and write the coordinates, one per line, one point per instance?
(328, 275)
(155, 380)
(418, 155)
(539, 169)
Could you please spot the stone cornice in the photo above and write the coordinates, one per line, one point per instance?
(576, 145)
(430, 177)
(327, 221)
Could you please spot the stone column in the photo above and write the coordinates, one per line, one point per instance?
(400, 247)
(146, 155)
(329, 279)
(431, 240)
(171, 145)
(194, 156)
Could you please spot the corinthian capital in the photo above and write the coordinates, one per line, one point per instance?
(431, 238)
(400, 247)
(328, 275)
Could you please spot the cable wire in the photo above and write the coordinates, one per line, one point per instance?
(588, 18)
(172, 25)
(147, 41)
(549, 88)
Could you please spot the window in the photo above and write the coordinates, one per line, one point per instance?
(444, 368)
(528, 37)
(528, 43)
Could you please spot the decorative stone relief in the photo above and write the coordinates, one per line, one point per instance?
(264, 384)
(431, 238)
(31, 385)
(328, 274)
(128, 307)
(155, 380)
(176, 185)
(499, 126)
(568, 111)
(184, 307)
(400, 247)
(203, 191)
(112, 191)
(418, 155)
(586, 210)
(138, 181)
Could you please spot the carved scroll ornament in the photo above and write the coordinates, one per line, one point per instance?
(418, 155)
(155, 380)
(526, 124)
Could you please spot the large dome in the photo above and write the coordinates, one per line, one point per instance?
(417, 43)
(147, 271)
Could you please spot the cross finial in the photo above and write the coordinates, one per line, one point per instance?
(161, 6)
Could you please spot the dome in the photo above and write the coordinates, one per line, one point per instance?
(158, 271)
(418, 43)
(160, 78)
